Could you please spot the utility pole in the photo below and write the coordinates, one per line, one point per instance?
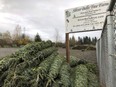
(24, 32)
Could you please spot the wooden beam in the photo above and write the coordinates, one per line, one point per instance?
(67, 48)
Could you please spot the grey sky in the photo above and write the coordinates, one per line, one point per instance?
(42, 16)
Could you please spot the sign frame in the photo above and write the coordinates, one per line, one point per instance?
(70, 26)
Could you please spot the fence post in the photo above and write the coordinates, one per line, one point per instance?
(97, 52)
(110, 34)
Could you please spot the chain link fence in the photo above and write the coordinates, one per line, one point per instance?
(106, 54)
(114, 10)
(102, 56)
(114, 60)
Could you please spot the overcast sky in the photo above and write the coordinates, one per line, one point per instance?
(42, 16)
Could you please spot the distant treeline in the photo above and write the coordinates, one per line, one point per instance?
(80, 41)
(16, 39)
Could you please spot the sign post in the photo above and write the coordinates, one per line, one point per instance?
(67, 48)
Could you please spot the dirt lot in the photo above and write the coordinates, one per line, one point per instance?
(88, 55)
(6, 51)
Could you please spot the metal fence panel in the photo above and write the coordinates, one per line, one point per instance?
(114, 60)
(106, 52)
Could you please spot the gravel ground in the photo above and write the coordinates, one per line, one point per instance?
(7, 51)
(88, 55)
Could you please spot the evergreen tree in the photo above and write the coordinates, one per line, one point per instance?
(94, 40)
(23, 36)
(83, 40)
(72, 41)
(86, 40)
(80, 41)
(89, 40)
(37, 38)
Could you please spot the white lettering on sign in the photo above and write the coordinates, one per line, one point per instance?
(90, 17)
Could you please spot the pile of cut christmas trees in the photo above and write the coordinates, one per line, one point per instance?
(40, 65)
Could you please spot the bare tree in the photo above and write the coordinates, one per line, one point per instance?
(57, 36)
(17, 33)
(7, 37)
